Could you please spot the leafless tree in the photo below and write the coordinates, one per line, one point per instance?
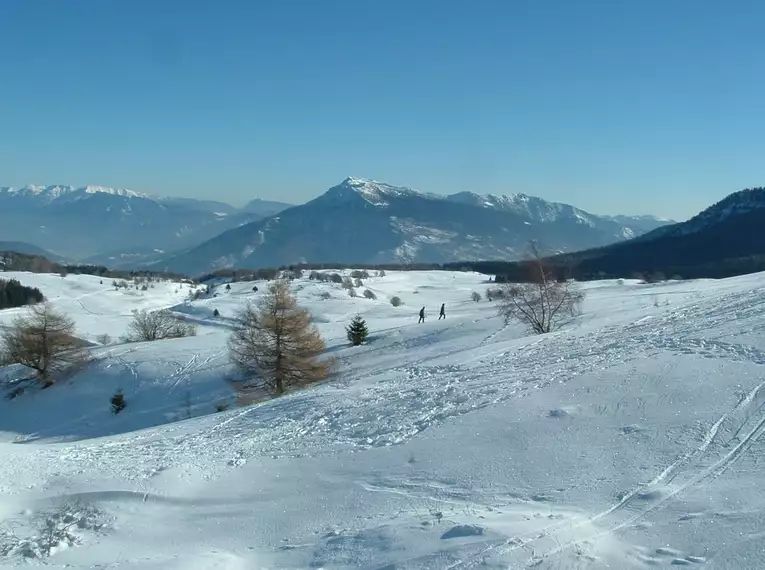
(104, 339)
(274, 343)
(158, 325)
(43, 340)
(544, 303)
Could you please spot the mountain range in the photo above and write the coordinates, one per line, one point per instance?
(115, 226)
(365, 221)
(723, 240)
(356, 221)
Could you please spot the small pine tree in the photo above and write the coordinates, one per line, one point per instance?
(357, 331)
(228, 286)
(118, 402)
(216, 313)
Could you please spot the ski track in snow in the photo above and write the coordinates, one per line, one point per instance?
(408, 383)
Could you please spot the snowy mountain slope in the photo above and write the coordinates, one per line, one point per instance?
(365, 221)
(631, 440)
(539, 210)
(94, 304)
(80, 223)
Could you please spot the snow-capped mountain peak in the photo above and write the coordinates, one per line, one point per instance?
(529, 207)
(123, 192)
(54, 192)
(372, 191)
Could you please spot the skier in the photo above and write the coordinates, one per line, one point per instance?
(422, 316)
(442, 314)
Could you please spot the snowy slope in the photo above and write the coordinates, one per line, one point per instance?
(629, 440)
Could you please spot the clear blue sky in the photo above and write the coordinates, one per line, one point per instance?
(616, 106)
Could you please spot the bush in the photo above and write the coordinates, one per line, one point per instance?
(358, 283)
(475, 296)
(118, 402)
(221, 406)
(347, 283)
(360, 274)
(104, 339)
(158, 325)
(494, 294)
(357, 331)
(352, 293)
(369, 294)
(47, 532)
(325, 295)
(335, 278)
(396, 301)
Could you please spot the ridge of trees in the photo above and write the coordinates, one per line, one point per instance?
(14, 294)
(14, 261)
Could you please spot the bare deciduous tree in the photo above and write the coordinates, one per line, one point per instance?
(275, 344)
(43, 340)
(158, 325)
(544, 303)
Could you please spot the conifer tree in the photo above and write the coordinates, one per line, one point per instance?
(357, 331)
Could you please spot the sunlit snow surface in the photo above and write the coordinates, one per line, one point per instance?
(630, 439)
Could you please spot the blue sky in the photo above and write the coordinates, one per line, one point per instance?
(615, 106)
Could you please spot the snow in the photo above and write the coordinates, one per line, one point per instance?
(58, 191)
(630, 439)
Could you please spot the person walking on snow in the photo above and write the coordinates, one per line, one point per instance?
(442, 314)
(422, 316)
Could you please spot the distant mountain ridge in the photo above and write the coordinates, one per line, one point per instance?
(28, 249)
(366, 221)
(723, 240)
(105, 225)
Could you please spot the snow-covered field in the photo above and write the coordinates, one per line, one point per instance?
(630, 439)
